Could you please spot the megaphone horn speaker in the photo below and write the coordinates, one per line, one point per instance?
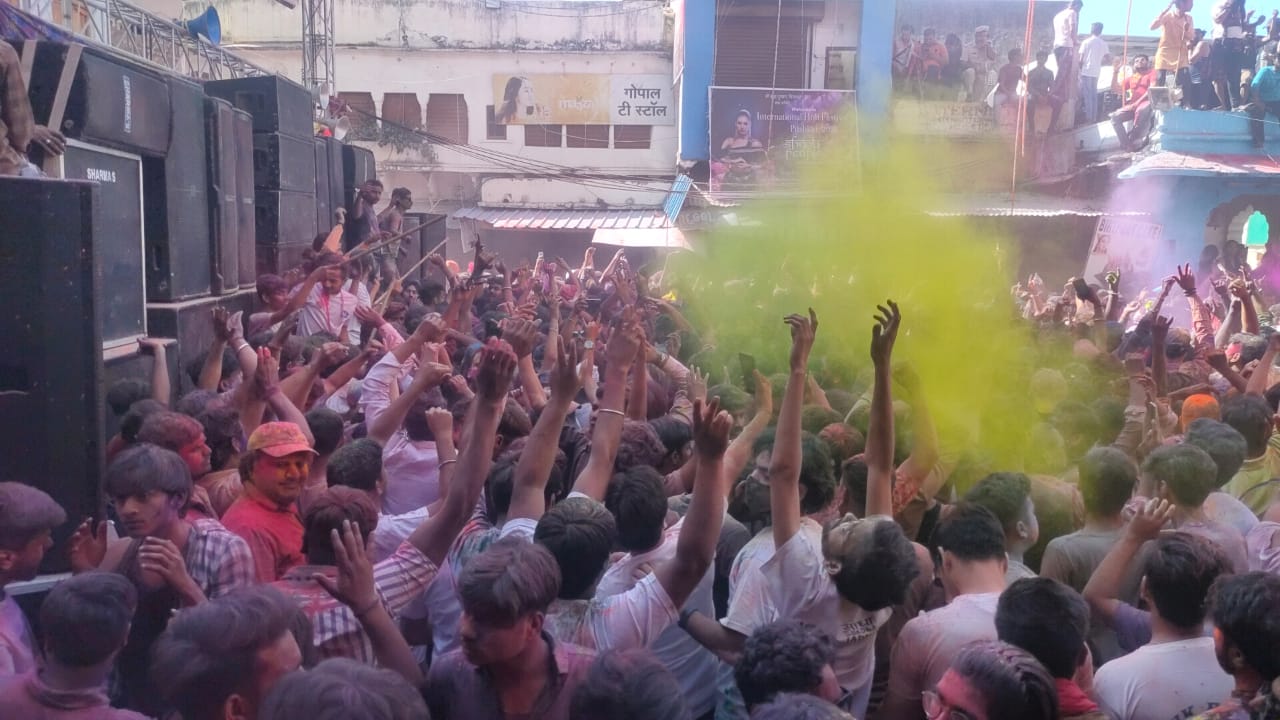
(207, 26)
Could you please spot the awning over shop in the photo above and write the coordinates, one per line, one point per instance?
(1183, 165)
(534, 219)
(1025, 205)
(670, 238)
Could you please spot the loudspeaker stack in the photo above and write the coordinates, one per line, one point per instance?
(284, 175)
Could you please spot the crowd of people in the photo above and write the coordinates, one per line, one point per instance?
(1231, 66)
(505, 493)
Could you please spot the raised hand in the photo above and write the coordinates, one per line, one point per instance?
(150, 346)
(1150, 518)
(803, 332)
(354, 587)
(625, 341)
(431, 374)
(885, 333)
(1160, 328)
(1186, 279)
(711, 429)
(497, 366)
(764, 394)
(431, 329)
(266, 378)
(697, 384)
(222, 325)
(368, 316)
(436, 259)
(88, 546)
(440, 422)
(521, 334)
(567, 378)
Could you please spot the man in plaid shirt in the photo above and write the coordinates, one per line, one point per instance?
(404, 575)
(18, 129)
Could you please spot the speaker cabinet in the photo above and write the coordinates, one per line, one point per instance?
(285, 218)
(246, 215)
(179, 252)
(276, 104)
(324, 206)
(281, 162)
(224, 203)
(112, 102)
(51, 367)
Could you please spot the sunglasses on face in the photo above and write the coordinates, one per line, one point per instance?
(935, 708)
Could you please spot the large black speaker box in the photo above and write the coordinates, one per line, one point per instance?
(357, 167)
(324, 207)
(177, 203)
(112, 102)
(51, 368)
(285, 218)
(281, 162)
(279, 259)
(246, 217)
(224, 203)
(276, 104)
(189, 322)
(422, 242)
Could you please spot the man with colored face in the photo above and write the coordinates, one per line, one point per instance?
(328, 307)
(273, 470)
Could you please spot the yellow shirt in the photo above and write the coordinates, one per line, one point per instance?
(1249, 483)
(1173, 52)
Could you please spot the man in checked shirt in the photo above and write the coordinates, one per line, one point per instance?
(405, 574)
(18, 129)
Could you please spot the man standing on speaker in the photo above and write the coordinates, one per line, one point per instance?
(391, 223)
(362, 222)
(18, 129)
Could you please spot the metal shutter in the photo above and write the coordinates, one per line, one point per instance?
(745, 51)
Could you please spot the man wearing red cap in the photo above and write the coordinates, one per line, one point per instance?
(274, 470)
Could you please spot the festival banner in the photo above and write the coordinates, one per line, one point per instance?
(1129, 246)
(760, 136)
(583, 99)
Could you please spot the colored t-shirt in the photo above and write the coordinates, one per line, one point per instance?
(274, 535)
(1173, 52)
(1267, 84)
(928, 643)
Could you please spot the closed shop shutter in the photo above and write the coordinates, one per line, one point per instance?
(745, 51)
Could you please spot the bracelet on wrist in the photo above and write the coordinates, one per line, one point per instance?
(446, 462)
(611, 411)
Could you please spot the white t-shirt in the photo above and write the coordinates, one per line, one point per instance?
(362, 300)
(929, 642)
(1165, 681)
(392, 530)
(328, 313)
(693, 665)
(1092, 50)
(17, 648)
(802, 589)
(1065, 25)
(633, 619)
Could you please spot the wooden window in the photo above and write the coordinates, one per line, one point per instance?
(402, 109)
(447, 117)
(493, 129)
(632, 137)
(586, 136)
(543, 135)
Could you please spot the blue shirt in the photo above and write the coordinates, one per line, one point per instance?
(1267, 84)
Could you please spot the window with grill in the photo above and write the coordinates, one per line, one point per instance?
(632, 137)
(586, 136)
(402, 109)
(447, 117)
(363, 124)
(543, 135)
(493, 129)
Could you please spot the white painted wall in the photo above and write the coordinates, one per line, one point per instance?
(456, 47)
(839, 28)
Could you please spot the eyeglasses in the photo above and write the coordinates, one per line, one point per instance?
(935, 708)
